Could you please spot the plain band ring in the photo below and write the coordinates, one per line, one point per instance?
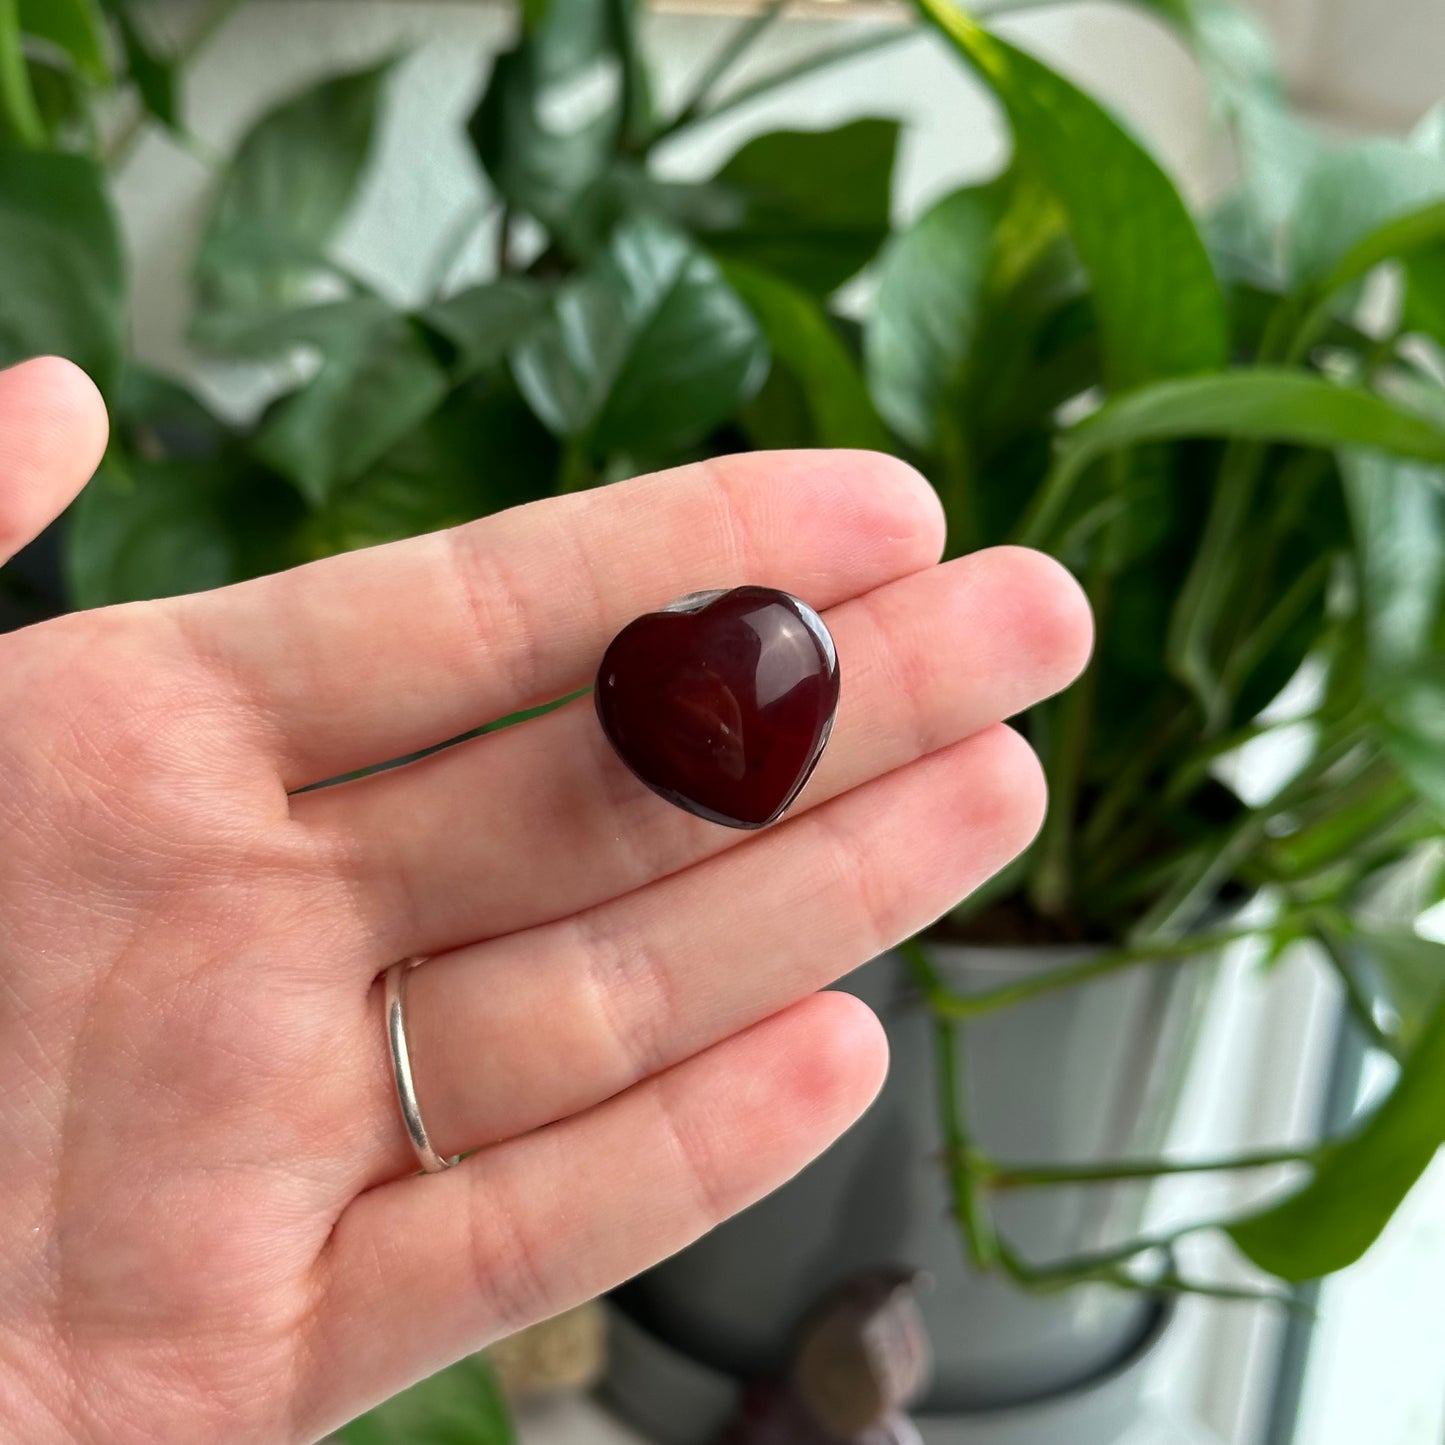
(395, 1005)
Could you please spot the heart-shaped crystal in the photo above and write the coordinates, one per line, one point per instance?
(723, 702)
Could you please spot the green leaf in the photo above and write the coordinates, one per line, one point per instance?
(1256, 404)
(483, 323)
(156, 76)
(814, 206)
(646, 350)
(1428, 137)
(378, 379)
(1160, 308)
(152, 415)
(1424, 307)
(19, 113)
(805, 342)
(283, 197)
(1405, 973)
(480, 452)
(923, 326)
(76, 27)
(551, 117)
(1360, 1182)
(947, 322)
(1398, 514)
(462, 1405)
(1413, 723)
(1397, 511)
(64, 274)
(162, 528)
(1362, 206)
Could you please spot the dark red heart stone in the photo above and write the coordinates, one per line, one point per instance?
(723, 702)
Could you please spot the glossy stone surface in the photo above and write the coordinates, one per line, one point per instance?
(723, 702)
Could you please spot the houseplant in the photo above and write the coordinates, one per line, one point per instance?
(1195, 416)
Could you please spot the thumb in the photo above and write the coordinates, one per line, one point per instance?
(53, 431)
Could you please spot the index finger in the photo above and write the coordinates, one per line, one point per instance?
(362, 658)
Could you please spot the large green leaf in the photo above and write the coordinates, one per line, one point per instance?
(813, 206)
(156, 74)
(1358, 1185)
(949, 325)
(378, 379)
(77, 27)
(1160, 308)
(553, 112)
(161, 528)
(1256, 404)
(462, 1405)
(922, 328)
(806, 343)
(480, 452)
(63, 287)
(483, 323)
(1361, 206)
(282, 198)
(647, 349)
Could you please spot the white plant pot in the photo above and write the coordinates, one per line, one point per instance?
(1082, 1074)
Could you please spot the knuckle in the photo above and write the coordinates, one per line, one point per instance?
(496, 610)
(511, 1264)
(700, 1171)
(633, 995)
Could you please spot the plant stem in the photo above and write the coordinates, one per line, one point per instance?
(1215, 861)
(1275, 623)
(575, 472)
(1099, 1264)
(951, 1005)
(785, 75)
(17, 95)
(1028, 1176)
(1051, 887)
(737, 45)
(1194, 767)
(1210, 581)
(1122, 794)
(970, 1209)
(504, 240)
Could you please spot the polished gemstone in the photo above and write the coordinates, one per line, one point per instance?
(723, 702)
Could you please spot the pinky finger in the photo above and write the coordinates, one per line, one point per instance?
(423, 1271)
(52, 436)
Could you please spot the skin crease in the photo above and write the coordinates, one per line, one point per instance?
(208, 1228)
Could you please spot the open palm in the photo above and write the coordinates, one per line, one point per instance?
(210, 1229)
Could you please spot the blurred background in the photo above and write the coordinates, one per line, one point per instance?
(1159, 287)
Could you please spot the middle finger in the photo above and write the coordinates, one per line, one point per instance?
(531, 824)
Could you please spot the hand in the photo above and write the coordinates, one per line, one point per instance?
(209, 1224)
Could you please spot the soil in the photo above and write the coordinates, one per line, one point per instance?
(1011, 923)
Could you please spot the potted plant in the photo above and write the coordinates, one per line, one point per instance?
(1244, 465)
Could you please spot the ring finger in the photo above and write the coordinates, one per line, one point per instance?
(634, 986)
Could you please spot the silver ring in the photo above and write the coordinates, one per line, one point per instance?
(395, 1005)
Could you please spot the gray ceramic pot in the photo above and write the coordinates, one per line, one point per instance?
(1083, 1074)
